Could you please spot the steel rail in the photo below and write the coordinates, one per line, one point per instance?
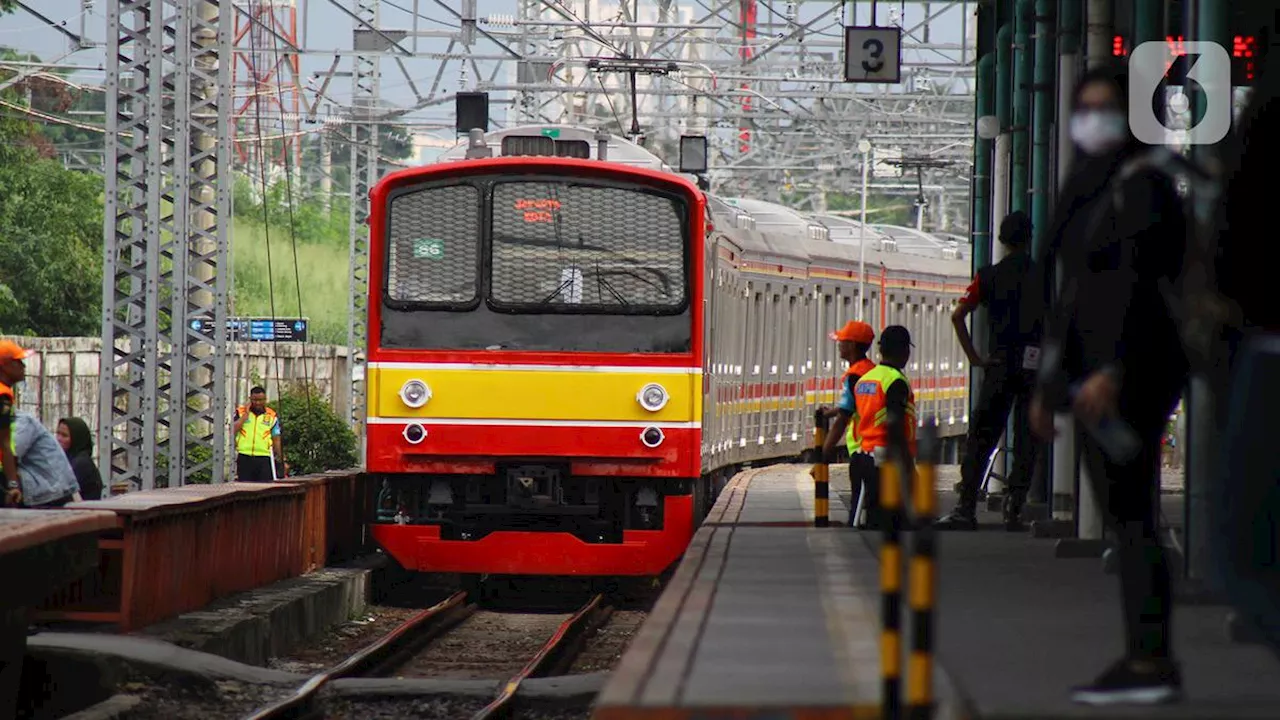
(420, 627)
(555, 656)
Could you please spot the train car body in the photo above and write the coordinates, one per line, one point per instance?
(567, 355)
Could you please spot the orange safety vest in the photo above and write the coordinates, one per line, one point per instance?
(254, 438)
(869, 396)
(852, 440)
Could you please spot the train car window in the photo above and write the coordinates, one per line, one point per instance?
(828, 348)
(433, 247)
(622, 250)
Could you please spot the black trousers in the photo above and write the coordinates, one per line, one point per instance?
(1003, 390)
(865, 477)
(1127, 495)
(253, 468)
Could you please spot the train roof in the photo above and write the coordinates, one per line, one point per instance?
(786, 237)
(618, 149)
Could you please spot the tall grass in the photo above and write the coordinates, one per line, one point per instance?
(323, 268)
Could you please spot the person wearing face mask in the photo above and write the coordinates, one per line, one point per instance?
(1111, 351)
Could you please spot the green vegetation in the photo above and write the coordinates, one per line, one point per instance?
(321, 262)
(50, 229)
(315, 438)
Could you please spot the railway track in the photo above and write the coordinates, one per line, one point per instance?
(428, 643)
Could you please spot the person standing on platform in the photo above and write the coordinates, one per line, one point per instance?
(1014, 308)
(13, 370)
(884, 399)
(853, 342)
(1112, 354)
(256, 429)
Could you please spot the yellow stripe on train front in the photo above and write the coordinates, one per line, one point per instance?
(526, 394)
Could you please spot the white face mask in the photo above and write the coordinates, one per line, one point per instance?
(1097, 131)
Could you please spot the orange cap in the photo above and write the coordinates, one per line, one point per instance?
(9, 350)
(855, 331)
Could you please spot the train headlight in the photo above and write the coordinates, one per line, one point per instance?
(415, 433)
(415, 393)
(652, 437)
(652, 397)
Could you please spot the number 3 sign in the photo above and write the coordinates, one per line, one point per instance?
(873, 54)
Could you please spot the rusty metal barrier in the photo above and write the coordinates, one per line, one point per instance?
(338, 505)
(178, 549)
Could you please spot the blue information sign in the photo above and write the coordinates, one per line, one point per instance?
(259, 329)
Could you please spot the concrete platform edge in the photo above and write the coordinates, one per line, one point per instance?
(254, 626)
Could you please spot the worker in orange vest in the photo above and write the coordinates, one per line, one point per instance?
(885, 400)
(13, 370)
(853, 342)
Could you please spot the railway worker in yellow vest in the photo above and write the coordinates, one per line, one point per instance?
(13, 370)
(884, 397)
(256, 429)
(853, 342)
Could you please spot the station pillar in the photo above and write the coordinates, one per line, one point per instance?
(1205, 21)
(1063, 457)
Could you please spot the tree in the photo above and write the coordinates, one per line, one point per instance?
(50, 246)
(50, 230)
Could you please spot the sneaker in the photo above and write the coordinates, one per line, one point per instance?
(1143, 682)
(957, 520)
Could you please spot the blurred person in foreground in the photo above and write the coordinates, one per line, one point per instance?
(1113, 355)
(77, 442)
(13, 370)
(47, 478)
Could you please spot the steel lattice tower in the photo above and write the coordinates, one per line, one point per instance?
(268, 101)
(365, 172)
(165, 240)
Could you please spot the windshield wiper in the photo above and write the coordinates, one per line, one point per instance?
(663, 284)
(601, 282)
(559, 289)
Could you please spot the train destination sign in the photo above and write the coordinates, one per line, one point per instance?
(538, 211)
(259, 329)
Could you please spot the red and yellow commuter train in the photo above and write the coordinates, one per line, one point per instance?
(568, 356)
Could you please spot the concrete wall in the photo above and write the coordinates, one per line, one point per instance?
(62, 378)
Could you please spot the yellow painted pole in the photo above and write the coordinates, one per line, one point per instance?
(923, 578)
(891, 588)
(821, 473)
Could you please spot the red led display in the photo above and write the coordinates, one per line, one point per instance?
(1245, 56)
(1244, 48)
(538, 211)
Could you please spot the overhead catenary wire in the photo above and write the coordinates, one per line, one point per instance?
(293, 229)
(266, 231)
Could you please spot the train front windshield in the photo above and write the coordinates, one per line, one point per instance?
(531, 261)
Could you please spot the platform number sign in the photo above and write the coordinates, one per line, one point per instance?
(873, 54)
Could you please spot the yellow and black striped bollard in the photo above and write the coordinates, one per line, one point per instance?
(821, 473)
(923, 580)
(891, 589)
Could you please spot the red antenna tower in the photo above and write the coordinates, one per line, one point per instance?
(267, 83)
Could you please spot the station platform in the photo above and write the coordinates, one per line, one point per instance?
(768, 617)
